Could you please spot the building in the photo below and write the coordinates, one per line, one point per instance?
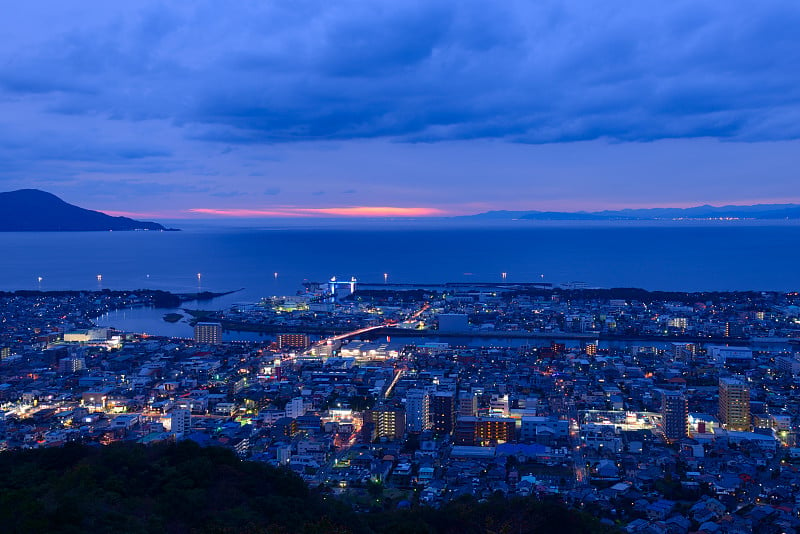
(94, 401)
(178, 421)
(467, 404)
(674, 416)
(734, 404)
(293, 341)
(684, 351)
(388, 423)
(543, 430)
(210, 333)
(494, 430)
(484, 431)
(295, 408)
(678, 322)
(464, 433)
(443, 412)
(71, 364)
(788, 364)
(499, 406)
(86, 336)
(418, 410)
(725, 355)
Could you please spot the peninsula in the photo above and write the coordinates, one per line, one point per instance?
(32, 210)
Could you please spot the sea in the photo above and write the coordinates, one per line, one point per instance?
(259, 260)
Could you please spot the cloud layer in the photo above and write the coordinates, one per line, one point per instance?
(426, 70)
(162, 89)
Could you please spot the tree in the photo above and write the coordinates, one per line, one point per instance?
(374, 489)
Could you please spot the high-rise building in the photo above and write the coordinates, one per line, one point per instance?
(678, 322)
(467, 404)
(210, 333)
(734, 404)
(293, 341)
(418, 410)
(71, 364)
(674, 415)
(443, 412)
(493, 430)
(295, 408)
(179, 421)
(389, 423)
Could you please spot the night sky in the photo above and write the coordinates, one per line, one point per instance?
(400, 107)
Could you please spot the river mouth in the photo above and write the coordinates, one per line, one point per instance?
(174, 322)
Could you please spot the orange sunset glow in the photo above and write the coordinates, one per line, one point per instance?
(350, 211)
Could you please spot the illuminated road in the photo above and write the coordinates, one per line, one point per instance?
(419, 312)
(353, 333)
(386, 324)
(397, 376)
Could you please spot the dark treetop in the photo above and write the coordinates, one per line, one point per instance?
(183, 488)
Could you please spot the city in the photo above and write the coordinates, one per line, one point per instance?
(416, 267)
(672, 412)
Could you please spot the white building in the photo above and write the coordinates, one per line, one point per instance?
(418, 406)
(723, 355)
(178, 422)
(295, 408)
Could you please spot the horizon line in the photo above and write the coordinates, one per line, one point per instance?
(396, 212)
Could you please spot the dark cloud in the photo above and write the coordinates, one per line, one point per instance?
(113, 188)
(424, 71)
(60, 149)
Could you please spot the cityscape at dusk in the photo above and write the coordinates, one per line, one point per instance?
(413, 267)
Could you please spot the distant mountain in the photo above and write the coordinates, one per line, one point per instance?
(757, 211)
(31, 210)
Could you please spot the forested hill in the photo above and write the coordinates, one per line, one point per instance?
(184, 488)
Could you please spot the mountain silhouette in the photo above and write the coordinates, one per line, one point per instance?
(32, 210)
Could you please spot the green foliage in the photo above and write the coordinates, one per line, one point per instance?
(167, 488)
(183, 488)
(496, 515)
(374, 489)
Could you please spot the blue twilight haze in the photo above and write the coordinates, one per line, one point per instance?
(442, 107)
